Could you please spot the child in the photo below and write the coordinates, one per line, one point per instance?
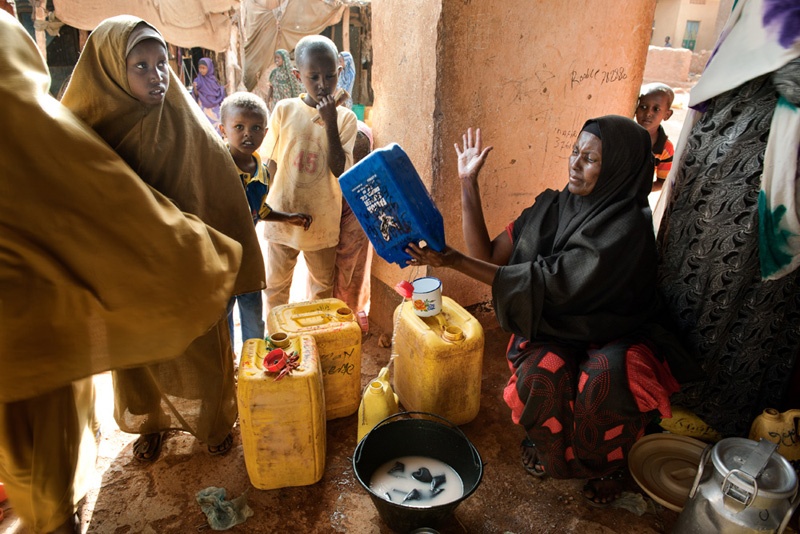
(207, 91)
(244, 123)
(307, 159)
(354, 253)
(653, 107)
(123, 88)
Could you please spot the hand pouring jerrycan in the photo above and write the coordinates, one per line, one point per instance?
(747, 488)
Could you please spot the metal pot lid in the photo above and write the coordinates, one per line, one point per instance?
(777, 478)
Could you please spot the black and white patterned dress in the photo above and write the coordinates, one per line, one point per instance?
(744, 331)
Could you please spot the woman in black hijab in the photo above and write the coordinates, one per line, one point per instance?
(574, 278)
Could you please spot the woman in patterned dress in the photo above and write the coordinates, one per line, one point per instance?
(728, 238)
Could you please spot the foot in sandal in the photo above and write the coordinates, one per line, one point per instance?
(147, 447)
(223, 447)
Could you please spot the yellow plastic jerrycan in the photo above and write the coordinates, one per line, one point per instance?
(282, 422)
(337, 333)
(378, 403)
(439, 360)
(781, 428)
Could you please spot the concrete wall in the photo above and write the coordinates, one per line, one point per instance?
(671, 16)
(528, 74)
(665, 22)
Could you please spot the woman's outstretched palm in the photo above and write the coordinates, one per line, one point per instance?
(472, 157)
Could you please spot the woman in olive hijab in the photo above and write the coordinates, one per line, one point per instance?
(123, 88)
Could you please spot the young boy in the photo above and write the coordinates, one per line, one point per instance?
(653, 107)
(243, 121)
(307, 159)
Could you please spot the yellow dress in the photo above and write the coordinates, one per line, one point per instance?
(173, 148)
(97, 271)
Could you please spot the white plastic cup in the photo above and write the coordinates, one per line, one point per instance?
(427, 296)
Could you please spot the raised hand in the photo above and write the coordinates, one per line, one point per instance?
(473, 155)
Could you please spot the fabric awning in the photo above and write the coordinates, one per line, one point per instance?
(185, 23)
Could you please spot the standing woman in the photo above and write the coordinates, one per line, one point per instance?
(730, 236)
(573, 278)
(207, 91)
(108, 267)
(282, 81)
(123, 88)
(347, 78)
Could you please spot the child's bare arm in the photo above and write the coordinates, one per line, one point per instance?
(295, 219)
(329, 115)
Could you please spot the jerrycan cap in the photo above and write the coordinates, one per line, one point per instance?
(275, 360)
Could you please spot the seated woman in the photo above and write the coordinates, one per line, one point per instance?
(574, 279)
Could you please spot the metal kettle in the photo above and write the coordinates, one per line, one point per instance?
(746, 488)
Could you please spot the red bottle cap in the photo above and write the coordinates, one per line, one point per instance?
(275, 360)
(405, 289)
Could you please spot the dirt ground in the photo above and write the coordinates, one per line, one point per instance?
(133, 497)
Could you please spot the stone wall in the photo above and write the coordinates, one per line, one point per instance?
(669, 65)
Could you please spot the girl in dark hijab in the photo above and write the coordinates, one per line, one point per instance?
(573, 278)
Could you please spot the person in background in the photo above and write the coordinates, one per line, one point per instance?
(347, 78)
(207, 91)
(351, 282)
(244, 125)
(652, 108)
(282, 81)
(305, 161)
(729, 236)
(573, 279)
(667, 43)
(109, 267)
(123, 88)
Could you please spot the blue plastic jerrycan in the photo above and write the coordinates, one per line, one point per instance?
(391, 203)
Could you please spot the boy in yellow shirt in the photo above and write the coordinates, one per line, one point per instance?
(307, 159)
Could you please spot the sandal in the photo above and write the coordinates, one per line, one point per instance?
(600, 492)
(530, 459)
(223, 447)
(147, 447)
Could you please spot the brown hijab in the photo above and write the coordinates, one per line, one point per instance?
(172, 146)
(97, 270)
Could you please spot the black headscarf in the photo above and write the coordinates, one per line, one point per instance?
(583, 269)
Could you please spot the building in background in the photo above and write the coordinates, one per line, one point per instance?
(692, 24)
